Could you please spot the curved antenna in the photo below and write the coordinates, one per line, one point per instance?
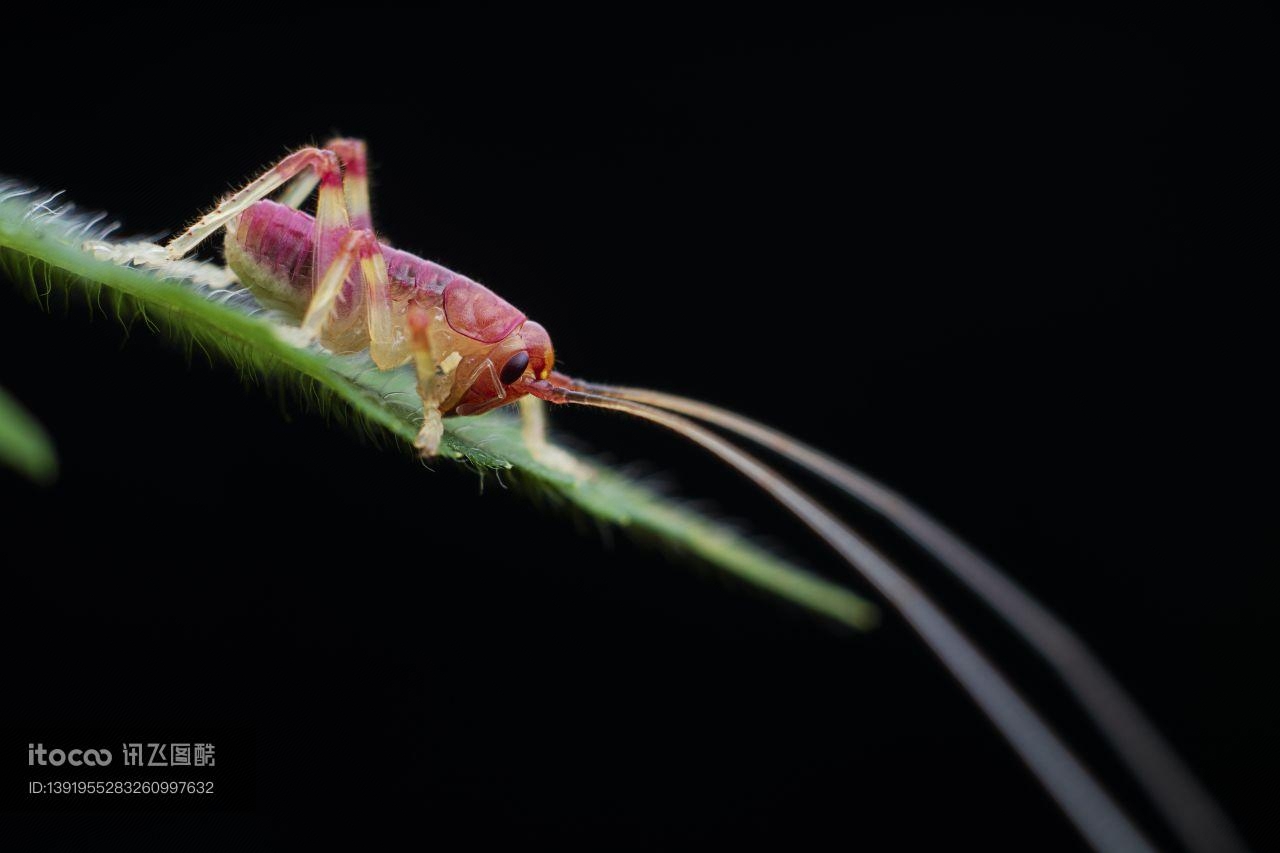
(1184, 803)
(1094, 813)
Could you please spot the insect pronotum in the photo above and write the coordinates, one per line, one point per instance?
(473, 351)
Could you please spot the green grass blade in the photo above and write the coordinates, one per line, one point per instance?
(24, 446)
(40, 245)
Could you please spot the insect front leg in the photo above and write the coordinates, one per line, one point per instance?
(533, 429)
(436, 371)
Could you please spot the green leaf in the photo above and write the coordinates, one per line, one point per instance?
(24, 446)
(41, 244)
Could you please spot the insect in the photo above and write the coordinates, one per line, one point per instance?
(473, 352)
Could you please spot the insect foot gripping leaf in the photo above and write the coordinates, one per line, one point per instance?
(43, 247)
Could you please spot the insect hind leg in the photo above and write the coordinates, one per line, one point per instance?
(353, 155)
(320, 162)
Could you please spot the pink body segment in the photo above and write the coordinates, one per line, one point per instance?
(271, 248)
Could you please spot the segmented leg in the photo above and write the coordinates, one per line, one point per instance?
(436, 372)
(386, 351)
(355, 179)
(533, 429)
(356, 247)
(324, 164)
(359, 247)
(298, 190)
(353, 154)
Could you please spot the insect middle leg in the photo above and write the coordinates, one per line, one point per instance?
(435, 368)
(533, 431)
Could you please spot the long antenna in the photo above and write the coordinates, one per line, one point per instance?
(1094, 813)
(1185, 804)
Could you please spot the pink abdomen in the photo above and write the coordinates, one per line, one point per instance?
(269, 247)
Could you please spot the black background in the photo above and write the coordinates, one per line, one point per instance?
(993, 260)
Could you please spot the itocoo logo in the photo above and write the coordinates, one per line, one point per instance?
(36, 754)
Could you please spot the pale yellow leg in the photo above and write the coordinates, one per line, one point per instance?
(354, 155)
(299, 189)
(308, 159)
(436, 373)
(356, 245)
(387, 345)
(355, 158)
(533, 429)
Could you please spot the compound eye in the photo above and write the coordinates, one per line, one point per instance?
(514, 368)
